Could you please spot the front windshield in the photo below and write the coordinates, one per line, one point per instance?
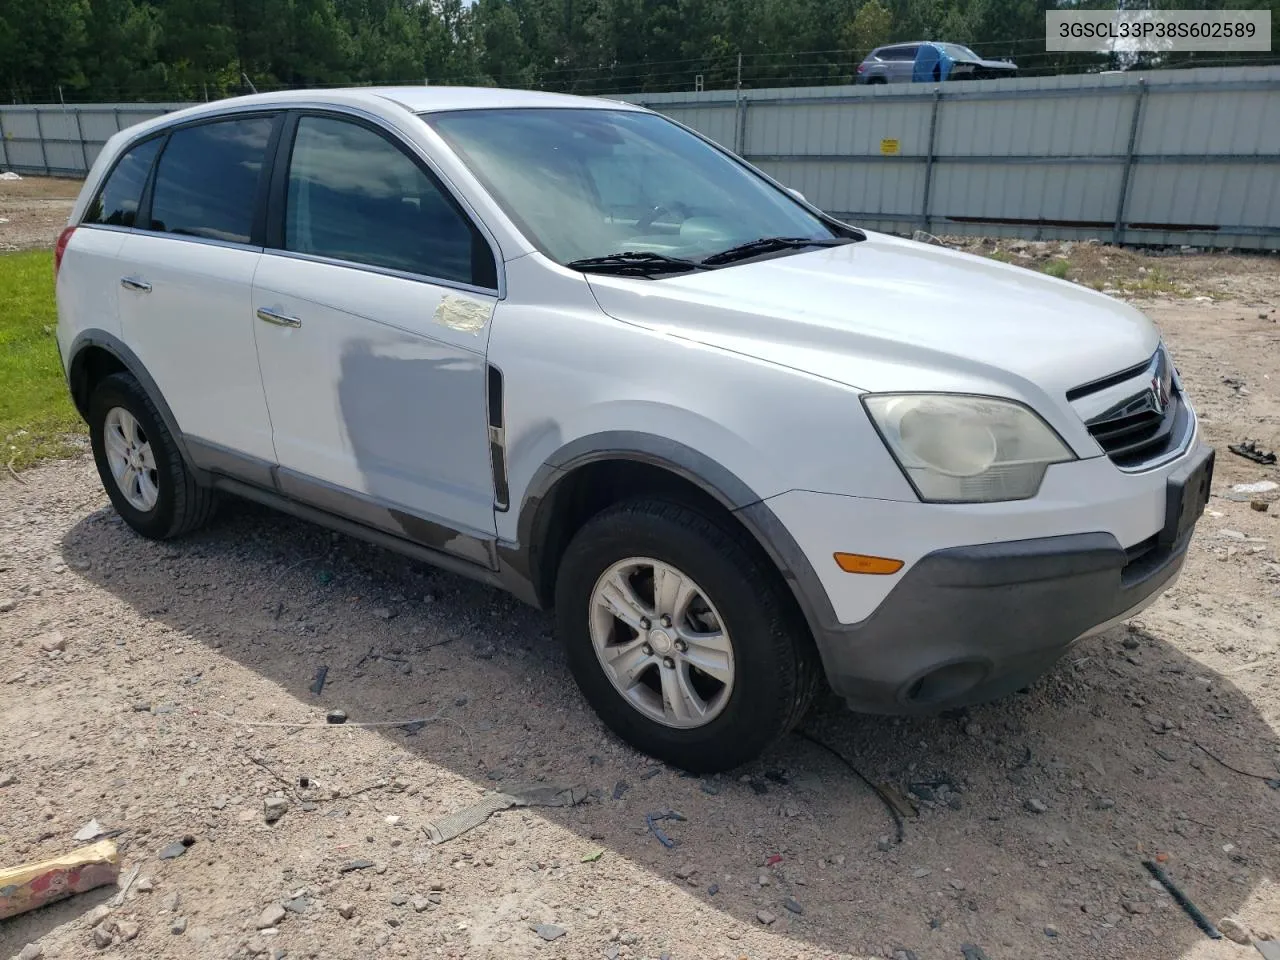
(957, 52)
(590, 183)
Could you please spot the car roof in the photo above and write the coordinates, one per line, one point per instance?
(384, 100)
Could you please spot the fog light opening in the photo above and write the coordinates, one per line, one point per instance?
(946, 683)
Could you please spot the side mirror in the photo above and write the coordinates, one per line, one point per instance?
(797, 194)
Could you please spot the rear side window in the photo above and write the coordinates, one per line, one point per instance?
(207, 179)
(900, 53)
(354, 195)
(117, 202)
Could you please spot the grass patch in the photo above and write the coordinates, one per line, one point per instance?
(1057, 268)
(37, 419)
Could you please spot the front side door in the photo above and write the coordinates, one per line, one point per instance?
(185, 286)
(372, 304)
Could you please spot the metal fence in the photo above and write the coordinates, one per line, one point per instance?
(1166, 157)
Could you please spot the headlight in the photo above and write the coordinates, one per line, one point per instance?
(962, 449)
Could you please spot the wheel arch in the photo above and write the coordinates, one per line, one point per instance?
(588, 474)
(96, 354)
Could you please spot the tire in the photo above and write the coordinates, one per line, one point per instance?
(168, 502)
(774, 671)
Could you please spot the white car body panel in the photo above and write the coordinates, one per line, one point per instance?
(372, 387)
(194, 332)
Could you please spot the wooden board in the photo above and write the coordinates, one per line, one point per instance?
(33, 885)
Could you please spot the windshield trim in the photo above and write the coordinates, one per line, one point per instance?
(837, 227)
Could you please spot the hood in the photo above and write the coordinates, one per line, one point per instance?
(887, 314)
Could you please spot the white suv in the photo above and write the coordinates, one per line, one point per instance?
(574, 350)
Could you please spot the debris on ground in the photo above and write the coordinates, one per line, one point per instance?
(89, 832)
(1250, 450)
(548, 931)
(1189, 908)
(317, 685)
(1234, 929)
(273, 808)
(32, 885)
(535, 795)
(1036, 806)
(651, 820)
(1259, 505)
(336, 716)
(1262, 486)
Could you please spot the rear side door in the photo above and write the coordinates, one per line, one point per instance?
(185, 286)
(88, 290)
(372, 305)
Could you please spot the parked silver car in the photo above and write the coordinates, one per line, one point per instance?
(903, 63)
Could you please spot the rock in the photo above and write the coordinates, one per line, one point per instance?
(884, 844)
(382, 613)
(1130, 642)
(53, 641)
(7, 604)
(399, 899)
(1050, 931)
(351, 865)
(420, 904)
(32, 951)
(973, 729)
(765, 917)
(793, 905)
(97, 914)
(145, 885)
(347, 910)
(686, 871)
(548, 931)
(1136, 907)
(1103, 803)
(392, 820)
(8, 779)
(485, 651)
(336, 716)
(1234, 929)
(172, 851)
(437, 886)
(126, 930)
(298, 905)
(101, 936)
(270, 917)
(1036, 806)
(1259, 505)
(172, 901)
(921, 872)
(179, 926)
(273, 808)
(713, 889)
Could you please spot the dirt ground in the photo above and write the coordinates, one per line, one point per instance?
(34, 210)
(181, 703)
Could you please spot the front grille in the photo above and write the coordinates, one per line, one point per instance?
(1138, 416)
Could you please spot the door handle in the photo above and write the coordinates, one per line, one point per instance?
(131, 283)
(279, 319)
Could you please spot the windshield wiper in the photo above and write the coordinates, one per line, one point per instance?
(641, 262)
(769, 244)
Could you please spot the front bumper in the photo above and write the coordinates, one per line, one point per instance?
(969, 624)
(966, 623)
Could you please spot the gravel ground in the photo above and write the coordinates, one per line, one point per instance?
(174, 702)
(34, 210)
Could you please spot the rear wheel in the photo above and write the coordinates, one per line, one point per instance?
(140, 465)
(679, 635)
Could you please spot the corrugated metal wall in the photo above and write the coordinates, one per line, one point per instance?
(1167, 157)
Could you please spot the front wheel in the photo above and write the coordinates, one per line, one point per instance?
(680, 636)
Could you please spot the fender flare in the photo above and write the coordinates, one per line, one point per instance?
(113, 345)
(691, 465)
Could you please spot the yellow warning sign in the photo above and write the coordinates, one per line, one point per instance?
(889, 147)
